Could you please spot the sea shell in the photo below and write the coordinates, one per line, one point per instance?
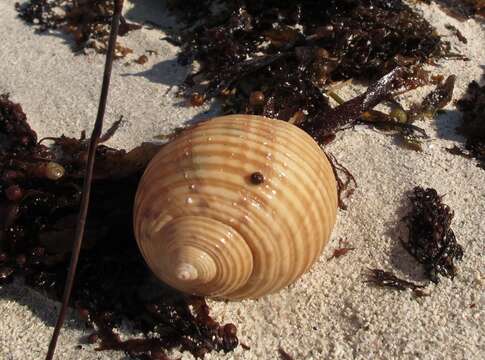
(235, 207)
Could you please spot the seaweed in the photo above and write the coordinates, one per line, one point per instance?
(408, 135)
(342, 250)
(277, 58)
(436, 99)
(87, 21)
(431, 240)
(142, 59)
(284, 355)
(387, 279)
(346, 183)
(473, 128)
(40, 194)
(400, 122)
(457, 33)
(455, 150)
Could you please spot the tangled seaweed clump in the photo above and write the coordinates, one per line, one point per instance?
(40, 192)
(281, 59)
(431, 240)
(87, 21)
(387, 279)
(290, 52)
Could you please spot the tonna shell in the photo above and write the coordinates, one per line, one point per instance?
(205, 228)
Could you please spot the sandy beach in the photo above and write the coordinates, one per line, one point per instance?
(330, 313)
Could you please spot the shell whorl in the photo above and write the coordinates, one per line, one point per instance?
(194, 250)
(205, 227)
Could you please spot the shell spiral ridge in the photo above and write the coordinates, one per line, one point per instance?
(205, 227)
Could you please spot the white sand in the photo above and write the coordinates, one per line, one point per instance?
(328, 314)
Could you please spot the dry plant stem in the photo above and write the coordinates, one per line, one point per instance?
(98, 127)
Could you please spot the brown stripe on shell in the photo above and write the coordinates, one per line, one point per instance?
(181, 187)
(304, 211)
(229, 254)
(202, 141)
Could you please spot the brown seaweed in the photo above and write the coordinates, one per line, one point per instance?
(400, 121)
(343, 249)
(284, 355)
(277, 58)
(431, 240)
(408, 135)
(387, 279)
(329, 121)
(436, 99)
(87, 21)
(346, 183)
(287, 53)
(457, 33)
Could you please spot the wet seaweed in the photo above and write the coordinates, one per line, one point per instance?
(387, 279)
(400, 122)
(40, 192)
(278, 58)
(285, 54)
(342, 250)
(431, 241)
(87, 21)
(436, 99)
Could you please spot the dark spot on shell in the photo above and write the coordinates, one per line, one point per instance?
(257, 178)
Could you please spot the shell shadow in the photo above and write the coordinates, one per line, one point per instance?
(446, 124)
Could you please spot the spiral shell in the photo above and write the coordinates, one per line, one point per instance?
(236, 207)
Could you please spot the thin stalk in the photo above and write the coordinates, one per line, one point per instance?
(93, 143)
